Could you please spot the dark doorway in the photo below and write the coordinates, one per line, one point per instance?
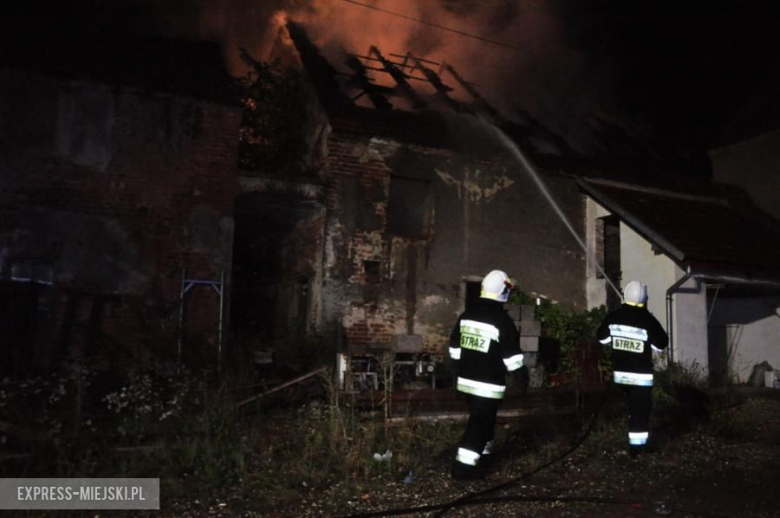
(718, 355)
(267, 292)
(261, 224)
(302, 295)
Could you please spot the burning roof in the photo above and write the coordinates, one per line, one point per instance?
(672, 203)
(409, 98)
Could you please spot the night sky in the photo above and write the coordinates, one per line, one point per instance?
(676, 74)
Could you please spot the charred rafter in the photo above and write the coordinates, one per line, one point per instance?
(400, 78)
(442, 90)
(478, 99)
(408, 67)
(362, 81)
(320, 70)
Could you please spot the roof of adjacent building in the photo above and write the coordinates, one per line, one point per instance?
(716, 234)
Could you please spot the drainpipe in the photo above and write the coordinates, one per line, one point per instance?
(669, 319)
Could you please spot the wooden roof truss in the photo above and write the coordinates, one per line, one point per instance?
(406, 70)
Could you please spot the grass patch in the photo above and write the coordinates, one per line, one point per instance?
(188, 431)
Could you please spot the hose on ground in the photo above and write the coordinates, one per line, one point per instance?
(478, 497)
(468, 498)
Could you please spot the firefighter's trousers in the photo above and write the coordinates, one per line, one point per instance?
(639, 401)
(479, 431)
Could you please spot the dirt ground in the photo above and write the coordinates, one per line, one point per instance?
(724, 465)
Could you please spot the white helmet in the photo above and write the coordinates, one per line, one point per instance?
(635, 293)
(496, 286)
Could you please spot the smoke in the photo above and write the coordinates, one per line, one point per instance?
(669, 68)
(248, 24)
(665, 73)
(527, 64)
(530, 66)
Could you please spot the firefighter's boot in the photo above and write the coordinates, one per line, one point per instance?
(462, 471)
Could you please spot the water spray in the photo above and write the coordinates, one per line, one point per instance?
(520, 156)
(479, 497)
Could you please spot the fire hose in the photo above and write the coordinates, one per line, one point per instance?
(479, 497)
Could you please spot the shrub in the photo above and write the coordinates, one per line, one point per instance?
(148, 397)
(569, 330)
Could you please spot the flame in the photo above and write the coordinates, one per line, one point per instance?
(540, 72)
(279, 19)
(532, 67)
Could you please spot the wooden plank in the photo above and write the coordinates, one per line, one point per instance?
(448, 404)
(503, 415)
(283, 385)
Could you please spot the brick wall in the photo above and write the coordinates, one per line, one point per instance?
(487, 213)
(120, 231)
(358, 181)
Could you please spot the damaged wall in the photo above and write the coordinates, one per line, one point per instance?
(116, 191)
(385, 278)
(277, 268)
(300, 282)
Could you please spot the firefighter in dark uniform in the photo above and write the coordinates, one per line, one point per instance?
(634, 333)
(484, 346)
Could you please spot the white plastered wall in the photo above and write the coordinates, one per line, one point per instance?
(690, 326)
(639, 262)
(752, 333)
(689, 302)
(655, 269)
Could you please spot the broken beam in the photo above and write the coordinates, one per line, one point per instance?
(362, 81)
(442, 90)
(410, 55)
(400, 79)
(472, 92)
(283, 385)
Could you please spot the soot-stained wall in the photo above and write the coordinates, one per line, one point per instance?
(115, 191)
(408, 224)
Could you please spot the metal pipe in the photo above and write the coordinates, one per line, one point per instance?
(669, 319)
(714, 300)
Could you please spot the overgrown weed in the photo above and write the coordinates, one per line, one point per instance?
(210, 443)
(152, 423)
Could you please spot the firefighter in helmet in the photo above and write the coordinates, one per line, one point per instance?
(484, 346)
(633, 334)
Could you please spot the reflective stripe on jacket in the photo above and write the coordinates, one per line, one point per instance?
(485, 344)
(633, 333)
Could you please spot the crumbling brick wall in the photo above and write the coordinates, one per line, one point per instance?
(484, 213)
